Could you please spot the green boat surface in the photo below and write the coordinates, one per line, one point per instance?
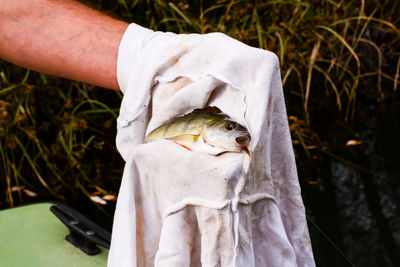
(33, 236)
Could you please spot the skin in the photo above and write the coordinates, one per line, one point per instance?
(62, 38)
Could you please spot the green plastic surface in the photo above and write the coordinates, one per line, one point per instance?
(32, 236)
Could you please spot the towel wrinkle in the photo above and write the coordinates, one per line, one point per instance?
(185, 208)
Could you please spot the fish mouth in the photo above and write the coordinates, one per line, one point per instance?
(245, 149)
(243, 141)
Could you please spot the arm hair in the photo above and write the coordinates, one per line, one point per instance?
(63, 38)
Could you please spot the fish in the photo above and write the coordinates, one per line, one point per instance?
(207, 130)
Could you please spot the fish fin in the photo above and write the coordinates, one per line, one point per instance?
(184, 138)
(182, 146)
(207, 110)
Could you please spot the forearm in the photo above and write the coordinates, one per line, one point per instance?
(62, 38)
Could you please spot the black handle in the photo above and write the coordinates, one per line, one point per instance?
(83, 233)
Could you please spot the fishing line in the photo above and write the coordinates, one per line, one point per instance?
(330, 241)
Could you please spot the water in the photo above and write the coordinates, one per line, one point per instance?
(358, 206)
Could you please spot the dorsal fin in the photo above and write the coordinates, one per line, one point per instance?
(207, 110)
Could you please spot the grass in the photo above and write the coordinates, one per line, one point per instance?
(56, 139)
(57, 136)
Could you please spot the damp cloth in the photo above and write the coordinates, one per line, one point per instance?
(185, 208)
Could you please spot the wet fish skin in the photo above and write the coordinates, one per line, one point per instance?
(208, 130)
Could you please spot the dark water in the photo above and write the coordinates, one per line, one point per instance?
(357, 206)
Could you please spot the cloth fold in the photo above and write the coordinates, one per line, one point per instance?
(186, 208)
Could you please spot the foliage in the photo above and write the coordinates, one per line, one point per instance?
(56, 138)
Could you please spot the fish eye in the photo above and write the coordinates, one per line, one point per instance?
(230, 125)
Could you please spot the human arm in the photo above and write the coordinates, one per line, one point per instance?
(62, 38)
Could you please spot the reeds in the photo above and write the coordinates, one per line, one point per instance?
(56, 138)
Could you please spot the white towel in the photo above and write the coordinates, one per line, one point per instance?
(186, 208)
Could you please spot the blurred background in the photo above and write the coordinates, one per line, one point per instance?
(340, 65)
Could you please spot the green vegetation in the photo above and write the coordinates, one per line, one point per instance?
(57, 136)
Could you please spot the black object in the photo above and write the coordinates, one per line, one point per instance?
(83, 233)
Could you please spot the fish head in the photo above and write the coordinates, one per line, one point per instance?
(227, 135)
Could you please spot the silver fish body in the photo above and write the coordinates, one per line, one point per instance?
(208, 130)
